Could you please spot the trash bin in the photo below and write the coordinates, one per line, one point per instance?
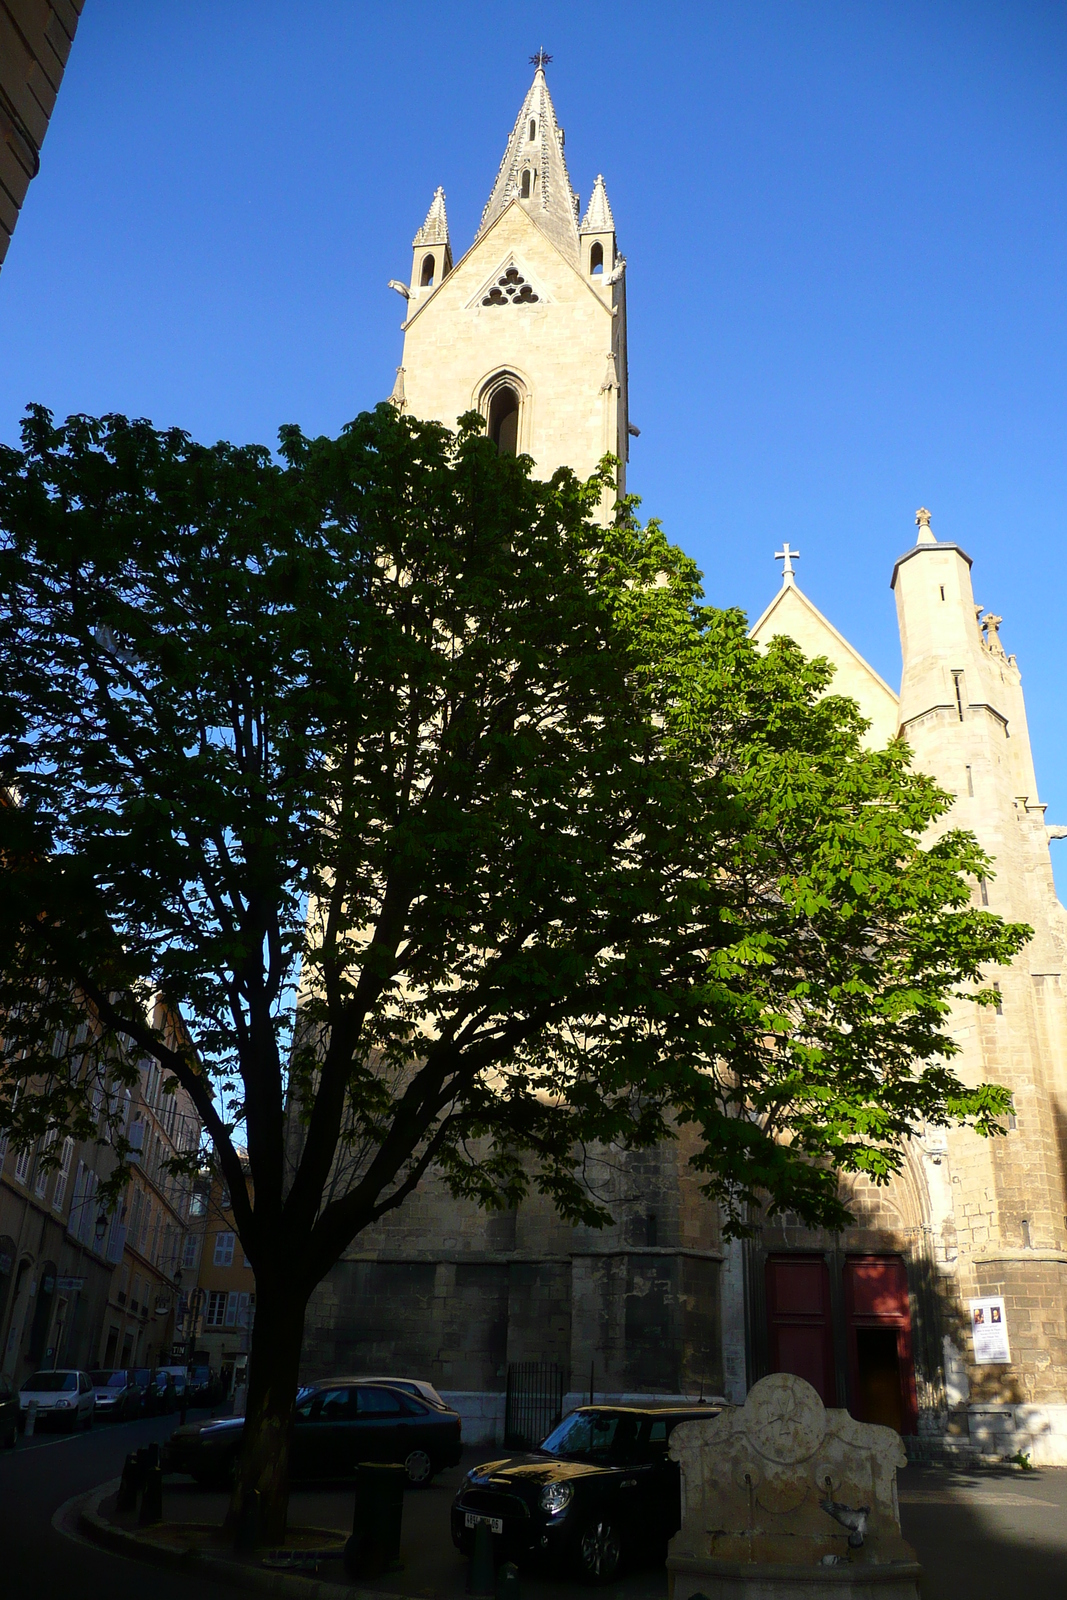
(377, 1517)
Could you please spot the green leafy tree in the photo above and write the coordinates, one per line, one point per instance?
(549, 852)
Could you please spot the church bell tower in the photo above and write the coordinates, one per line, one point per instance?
(529, 325)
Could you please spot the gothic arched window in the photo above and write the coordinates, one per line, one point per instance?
(596, 258)
(533, 129)
(503, 420)
(527, 180)
(426, 280)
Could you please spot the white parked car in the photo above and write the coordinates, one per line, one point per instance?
(65, 1398)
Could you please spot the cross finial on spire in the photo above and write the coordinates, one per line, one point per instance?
(785, 555)
(541, 59)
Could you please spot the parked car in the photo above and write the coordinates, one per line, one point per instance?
(156, 1391)
(65, 1398)
(416, 1386)
(9, 1414)
(180, 1377)
(335, 1427)
(203, 1386)
(118, 1395)
(600, 1488)
(163, 1391)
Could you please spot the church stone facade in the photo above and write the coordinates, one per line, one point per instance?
(529, 327)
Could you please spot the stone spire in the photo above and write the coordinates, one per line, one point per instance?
(598, 217)
(534, 172)
(925, 534)
(435, 229)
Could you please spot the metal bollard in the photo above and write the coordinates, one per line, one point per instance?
(129, 1488)
(249, 1531)
(31, 1418)
(151, 1498)
(481, 1580)
(377, 1520)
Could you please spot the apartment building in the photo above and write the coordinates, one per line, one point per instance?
(140, 1324)
(220, 1301)
(58, 1249)
(85, 1284)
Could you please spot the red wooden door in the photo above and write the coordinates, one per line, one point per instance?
(800, 1332)
(878, 1330)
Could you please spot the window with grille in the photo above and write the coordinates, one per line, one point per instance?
(224, 1249)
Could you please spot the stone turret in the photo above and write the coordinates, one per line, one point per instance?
(962, 713)
(431, 258)
(597, 234)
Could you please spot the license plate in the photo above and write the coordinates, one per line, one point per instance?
(495, 1524)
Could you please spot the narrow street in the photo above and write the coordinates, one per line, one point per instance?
(36, 1561)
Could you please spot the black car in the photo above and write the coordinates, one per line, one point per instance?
(118, 1395)
(9, 1414)
(203, 1387)
(335, 1427)
(600, 1487)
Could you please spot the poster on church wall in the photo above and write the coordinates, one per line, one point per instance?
(989, 1327)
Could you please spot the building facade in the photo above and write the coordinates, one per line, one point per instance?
(899, 1313)
(58, 1250)
(84, 1284)
(218, 1301)
(141, 1322)
(942, 1310)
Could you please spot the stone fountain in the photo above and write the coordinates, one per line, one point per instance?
(785, 1500)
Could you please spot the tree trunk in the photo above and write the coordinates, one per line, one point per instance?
(263, 1465)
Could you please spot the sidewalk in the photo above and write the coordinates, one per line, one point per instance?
(980, 1534)
(320, 1519)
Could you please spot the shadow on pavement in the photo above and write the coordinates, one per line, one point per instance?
(988, 1533)
(980, 1535)
(433, 1569)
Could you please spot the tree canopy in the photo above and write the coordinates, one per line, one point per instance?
(549, 852)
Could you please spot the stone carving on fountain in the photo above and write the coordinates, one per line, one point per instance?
(785, 1500)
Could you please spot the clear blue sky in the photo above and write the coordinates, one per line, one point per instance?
(846, 227)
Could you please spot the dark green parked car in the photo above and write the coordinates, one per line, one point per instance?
(337, 1425)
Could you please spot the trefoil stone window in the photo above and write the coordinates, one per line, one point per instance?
(511, 289)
